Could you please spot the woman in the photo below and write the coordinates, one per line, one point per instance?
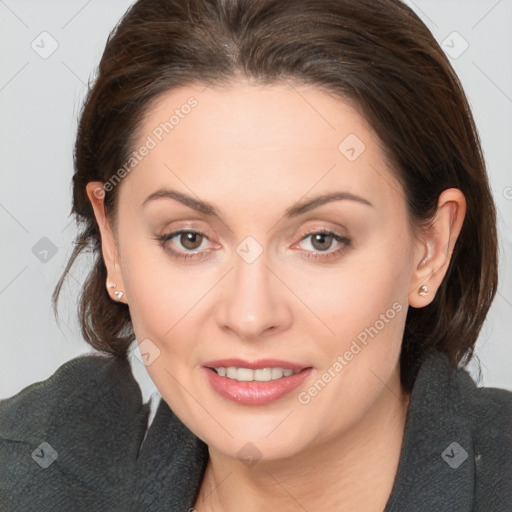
(289, 210)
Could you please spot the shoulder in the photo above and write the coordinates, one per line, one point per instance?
(482, 406)
(485, 411)
(75, 432)
(489, 409)
(70, 374)
(489, 415)
(86, 378)
(457, 446)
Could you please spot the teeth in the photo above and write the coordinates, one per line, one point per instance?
(258, 375)
(262, 374)
(231, 372)
(277, 373)
(244, 374)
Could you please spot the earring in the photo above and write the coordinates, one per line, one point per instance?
(423, 290)
(119, 295)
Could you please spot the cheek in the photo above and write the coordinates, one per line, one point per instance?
(162, 302)
(364, 306)
(159, 292)
(359, 291)
(367, 310)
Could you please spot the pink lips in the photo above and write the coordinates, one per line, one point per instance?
(254, 393)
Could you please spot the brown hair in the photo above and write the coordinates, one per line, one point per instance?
(377, 53)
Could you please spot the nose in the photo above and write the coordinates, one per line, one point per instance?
(255, 301)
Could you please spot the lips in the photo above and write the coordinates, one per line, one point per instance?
(261, 363)
(254, 382)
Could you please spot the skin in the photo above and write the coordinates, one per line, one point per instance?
(253, 152)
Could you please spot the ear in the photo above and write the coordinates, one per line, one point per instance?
(433, 250)
(109, 249)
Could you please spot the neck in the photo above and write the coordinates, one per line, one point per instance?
(355, 471)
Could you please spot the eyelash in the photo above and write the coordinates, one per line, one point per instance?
(320, 255)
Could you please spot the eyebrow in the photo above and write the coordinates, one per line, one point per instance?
(293, 211)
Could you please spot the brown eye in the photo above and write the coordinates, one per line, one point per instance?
(320, 245)
(185, 245)
(321, 241)
(190, 240)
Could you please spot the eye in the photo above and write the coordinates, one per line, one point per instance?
(322, 240)
(190, 240)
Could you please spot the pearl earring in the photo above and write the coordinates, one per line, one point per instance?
(119, 295)
(423, 290)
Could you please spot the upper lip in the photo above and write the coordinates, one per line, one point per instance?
(260, 363)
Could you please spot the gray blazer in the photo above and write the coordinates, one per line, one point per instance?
(76, 442)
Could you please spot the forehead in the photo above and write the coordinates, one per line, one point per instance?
(251, 138)
(244, 116)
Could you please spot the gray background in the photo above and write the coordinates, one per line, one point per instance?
(40, 98)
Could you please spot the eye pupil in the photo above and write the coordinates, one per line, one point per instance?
(322, 237)
(189, 240)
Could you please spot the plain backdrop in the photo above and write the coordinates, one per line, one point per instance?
(48, 52)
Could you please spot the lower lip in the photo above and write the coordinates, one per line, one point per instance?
(256, 393)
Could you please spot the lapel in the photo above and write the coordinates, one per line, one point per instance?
(170, 465)
(434, 472)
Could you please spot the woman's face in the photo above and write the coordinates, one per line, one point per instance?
(251, 282)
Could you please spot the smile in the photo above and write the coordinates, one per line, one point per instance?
(258, 375)
(254, 383)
